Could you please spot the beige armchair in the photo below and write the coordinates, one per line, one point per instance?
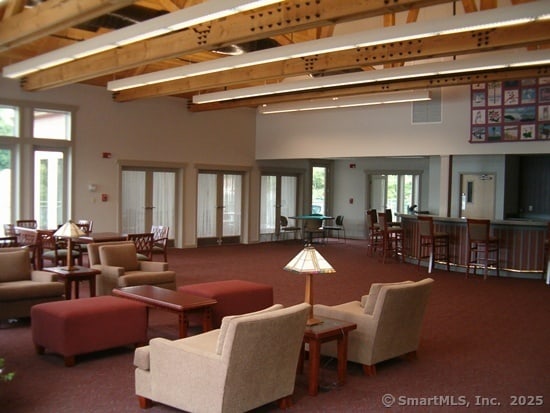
(389, 321)
(120, 267)
(21, 287)
(249, 362)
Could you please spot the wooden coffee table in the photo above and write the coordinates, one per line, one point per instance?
(330, 329)
(177, 302)
(75, 275)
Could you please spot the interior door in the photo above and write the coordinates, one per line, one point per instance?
(278, 197)
(148, 198)
(377, 192)
(477, 197)
(219, 208)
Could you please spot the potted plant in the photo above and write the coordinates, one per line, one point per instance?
(5, 376)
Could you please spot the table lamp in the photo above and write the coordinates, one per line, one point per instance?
(69, 230)
(309, 262)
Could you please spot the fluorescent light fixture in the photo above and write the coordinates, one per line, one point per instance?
(497, 60)
(500, 17)
(345, 102)
(190, 16)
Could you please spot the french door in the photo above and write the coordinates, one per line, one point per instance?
(219, 206)
(148, 198)
(49, 188)
(278, 197)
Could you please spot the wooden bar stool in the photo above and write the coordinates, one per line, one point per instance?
(392, 238)
(481, 245)
(373, 228)
(435, 243)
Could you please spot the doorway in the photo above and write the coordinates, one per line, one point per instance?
(148, 197)
(477, 196)
(279, 196)
(219, 208)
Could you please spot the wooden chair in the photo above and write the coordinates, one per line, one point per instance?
(85, 225)
(160, 240)
(436, 244)
(144, 245)
(374, 234)
(392, 238)
(337, 227)
(9, 230)
(481, 245)
(49, 248)
(285, 228)
(26, 223)
(28, 237)
(8, 242)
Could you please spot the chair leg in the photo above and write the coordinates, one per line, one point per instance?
(145, 403)
(369, 370)
(285, 402)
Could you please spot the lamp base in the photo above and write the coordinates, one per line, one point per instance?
(313, 322)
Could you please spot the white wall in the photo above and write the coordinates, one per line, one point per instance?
(152, 131)
(384, 130)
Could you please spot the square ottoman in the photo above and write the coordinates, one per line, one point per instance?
(86, 325)
(233, 296)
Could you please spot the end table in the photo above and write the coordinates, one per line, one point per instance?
(76, 275)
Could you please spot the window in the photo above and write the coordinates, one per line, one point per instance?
(51, 124)
(39, 156)
(9, 121)
(394, 191)
(319, 189)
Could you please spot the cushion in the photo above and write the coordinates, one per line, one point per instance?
(119, 256)
(15, 265)
(226, 321)
(374, 291)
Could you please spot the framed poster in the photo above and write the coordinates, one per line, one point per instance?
(513, 110)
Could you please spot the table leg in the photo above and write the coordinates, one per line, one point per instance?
(92, 286)
(207, 319)
(342, 344)
(183, 323)
(76, 289)
(314, 363)
(68, 289)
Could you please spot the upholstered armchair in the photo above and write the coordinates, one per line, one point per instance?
(389, 321)
(249, 362)
(120, 267)
(21, 287)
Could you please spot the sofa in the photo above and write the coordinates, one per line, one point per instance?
(21, 287)
(120, 267)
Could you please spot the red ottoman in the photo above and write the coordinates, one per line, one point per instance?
(233, 296)
(86, 325)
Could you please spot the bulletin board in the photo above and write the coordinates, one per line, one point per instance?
(513, 110)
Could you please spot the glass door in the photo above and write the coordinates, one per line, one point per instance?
(219, 204)
(278, 197)
(49, 188)
(148, 198)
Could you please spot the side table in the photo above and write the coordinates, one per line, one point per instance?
(330, 329)
(75, 275)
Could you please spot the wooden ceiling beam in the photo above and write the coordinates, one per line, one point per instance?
(291, 15)
(438, 46)
(398, 85)
(51, 16)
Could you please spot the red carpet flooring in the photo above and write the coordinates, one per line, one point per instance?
(484, 343)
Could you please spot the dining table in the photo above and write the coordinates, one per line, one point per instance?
(311, 217)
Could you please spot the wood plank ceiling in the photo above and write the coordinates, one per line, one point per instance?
(32, 27)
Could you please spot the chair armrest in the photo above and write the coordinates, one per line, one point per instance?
(176, 365)
(42, 276)
(352, 312)
(110, 271)
(153, 266)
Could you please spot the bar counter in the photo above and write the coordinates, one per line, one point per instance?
(521, 243)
